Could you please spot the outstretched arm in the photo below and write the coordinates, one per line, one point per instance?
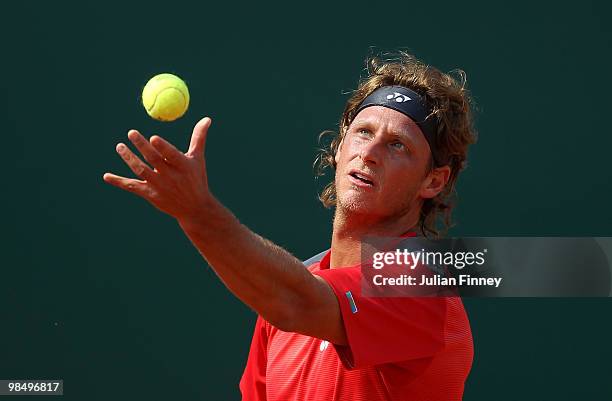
(261, 274)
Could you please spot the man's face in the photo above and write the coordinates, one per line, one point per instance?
(382, 164)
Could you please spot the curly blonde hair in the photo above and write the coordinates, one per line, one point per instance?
(451, 105)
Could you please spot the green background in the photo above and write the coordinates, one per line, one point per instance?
(103, 291)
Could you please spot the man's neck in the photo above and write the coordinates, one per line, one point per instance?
(349, 230)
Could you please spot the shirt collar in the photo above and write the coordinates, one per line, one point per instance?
(324, 263)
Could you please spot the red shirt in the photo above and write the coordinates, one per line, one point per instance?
(417, 349)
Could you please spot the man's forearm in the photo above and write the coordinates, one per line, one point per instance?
(261, 274)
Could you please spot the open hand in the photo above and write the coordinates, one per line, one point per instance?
(174, 182)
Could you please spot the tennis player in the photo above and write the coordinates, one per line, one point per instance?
(403, 140)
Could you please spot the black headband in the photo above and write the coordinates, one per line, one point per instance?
(411, 104)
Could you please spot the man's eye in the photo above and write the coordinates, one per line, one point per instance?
(398, 145)
(363, 132)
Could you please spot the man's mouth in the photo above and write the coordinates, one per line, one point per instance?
(361, 178)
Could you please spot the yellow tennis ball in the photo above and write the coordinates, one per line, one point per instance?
(165, 97)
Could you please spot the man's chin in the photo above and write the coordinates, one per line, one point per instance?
(357, 205)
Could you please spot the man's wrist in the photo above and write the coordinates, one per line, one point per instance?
(208, 215)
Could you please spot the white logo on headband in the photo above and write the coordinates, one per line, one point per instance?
(399, 98)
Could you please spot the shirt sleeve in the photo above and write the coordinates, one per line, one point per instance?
(384, 329)
(253, 382)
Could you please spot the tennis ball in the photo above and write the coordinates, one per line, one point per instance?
(165, 97)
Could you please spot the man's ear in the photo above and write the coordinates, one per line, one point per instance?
(336, 156)
(435, 182)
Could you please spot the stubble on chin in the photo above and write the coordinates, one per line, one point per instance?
(353, 204)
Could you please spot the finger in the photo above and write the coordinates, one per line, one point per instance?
(137, 187)
(134, 163)
(198, 137)
(167, 150)
(149, 153)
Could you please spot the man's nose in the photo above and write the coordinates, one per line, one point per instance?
(371, 152)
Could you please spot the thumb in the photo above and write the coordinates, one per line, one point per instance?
(198, 137)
